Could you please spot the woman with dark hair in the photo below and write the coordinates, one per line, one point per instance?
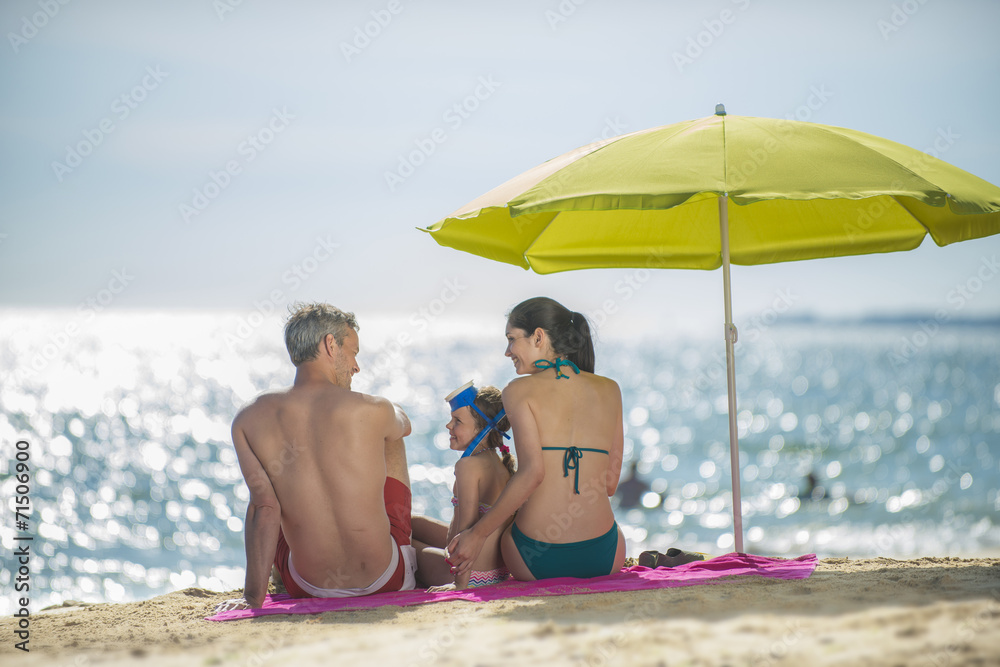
(568, 434)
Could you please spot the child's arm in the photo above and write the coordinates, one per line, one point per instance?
(467, 476)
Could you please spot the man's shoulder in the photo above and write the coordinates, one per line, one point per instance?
(264, 403)
(361, 399)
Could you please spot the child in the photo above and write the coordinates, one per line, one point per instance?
(478, 427)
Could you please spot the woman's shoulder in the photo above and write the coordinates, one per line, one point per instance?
(517, 387)
(605, 383)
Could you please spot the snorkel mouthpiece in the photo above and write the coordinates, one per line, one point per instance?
(465, 396)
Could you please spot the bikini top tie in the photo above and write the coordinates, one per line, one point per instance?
(545, 364)
(571, 461)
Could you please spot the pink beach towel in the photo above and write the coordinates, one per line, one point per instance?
(628, 579)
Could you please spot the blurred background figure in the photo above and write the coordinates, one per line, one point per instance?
(632, 489)
(811, 488)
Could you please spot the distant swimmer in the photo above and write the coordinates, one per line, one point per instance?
(326, 469)
(811, 488)
(632, 489)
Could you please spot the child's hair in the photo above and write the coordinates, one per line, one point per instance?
(489, 400)
(568, 331)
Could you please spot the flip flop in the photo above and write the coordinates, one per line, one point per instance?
(675, 557)
(672, 558)
(648, 558)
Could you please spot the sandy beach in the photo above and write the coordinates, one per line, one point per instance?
(928, 611)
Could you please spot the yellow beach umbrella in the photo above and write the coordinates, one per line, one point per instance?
(661, 198)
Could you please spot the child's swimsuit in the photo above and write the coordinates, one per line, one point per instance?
(488, 578)
(479, 578)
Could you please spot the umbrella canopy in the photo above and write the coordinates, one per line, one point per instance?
(660, 198)
(802, 191)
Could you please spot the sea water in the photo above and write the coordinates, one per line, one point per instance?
(854, 440)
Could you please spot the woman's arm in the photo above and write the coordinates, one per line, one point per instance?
(617, 444)
(466, 546)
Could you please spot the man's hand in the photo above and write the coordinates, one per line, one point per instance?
(230, 605)
(463, 551)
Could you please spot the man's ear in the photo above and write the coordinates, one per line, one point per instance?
(330, 344)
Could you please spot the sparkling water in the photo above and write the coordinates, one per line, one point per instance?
(854, 440)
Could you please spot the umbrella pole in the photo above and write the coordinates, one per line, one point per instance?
(734, 443)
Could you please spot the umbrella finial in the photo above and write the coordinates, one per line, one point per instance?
(720, 109)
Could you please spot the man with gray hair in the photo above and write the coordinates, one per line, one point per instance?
(326, 468)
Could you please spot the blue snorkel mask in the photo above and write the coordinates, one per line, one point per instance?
(465, 396)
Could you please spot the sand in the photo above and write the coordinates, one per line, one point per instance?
(929, 611)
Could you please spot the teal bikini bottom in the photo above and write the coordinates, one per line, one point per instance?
(588, 558)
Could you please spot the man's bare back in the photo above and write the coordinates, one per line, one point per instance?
(314, 459)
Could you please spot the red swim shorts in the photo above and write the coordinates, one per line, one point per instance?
(397, 506)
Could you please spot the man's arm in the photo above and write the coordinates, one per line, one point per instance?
(263, 520)
(401, 424)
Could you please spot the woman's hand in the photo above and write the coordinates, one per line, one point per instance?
(463, 551)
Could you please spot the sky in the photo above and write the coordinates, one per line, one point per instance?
(238, 155)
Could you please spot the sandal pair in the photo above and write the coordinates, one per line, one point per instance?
(672, 558)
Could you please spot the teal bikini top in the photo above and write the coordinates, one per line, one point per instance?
(571, 461)
(545, 364)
